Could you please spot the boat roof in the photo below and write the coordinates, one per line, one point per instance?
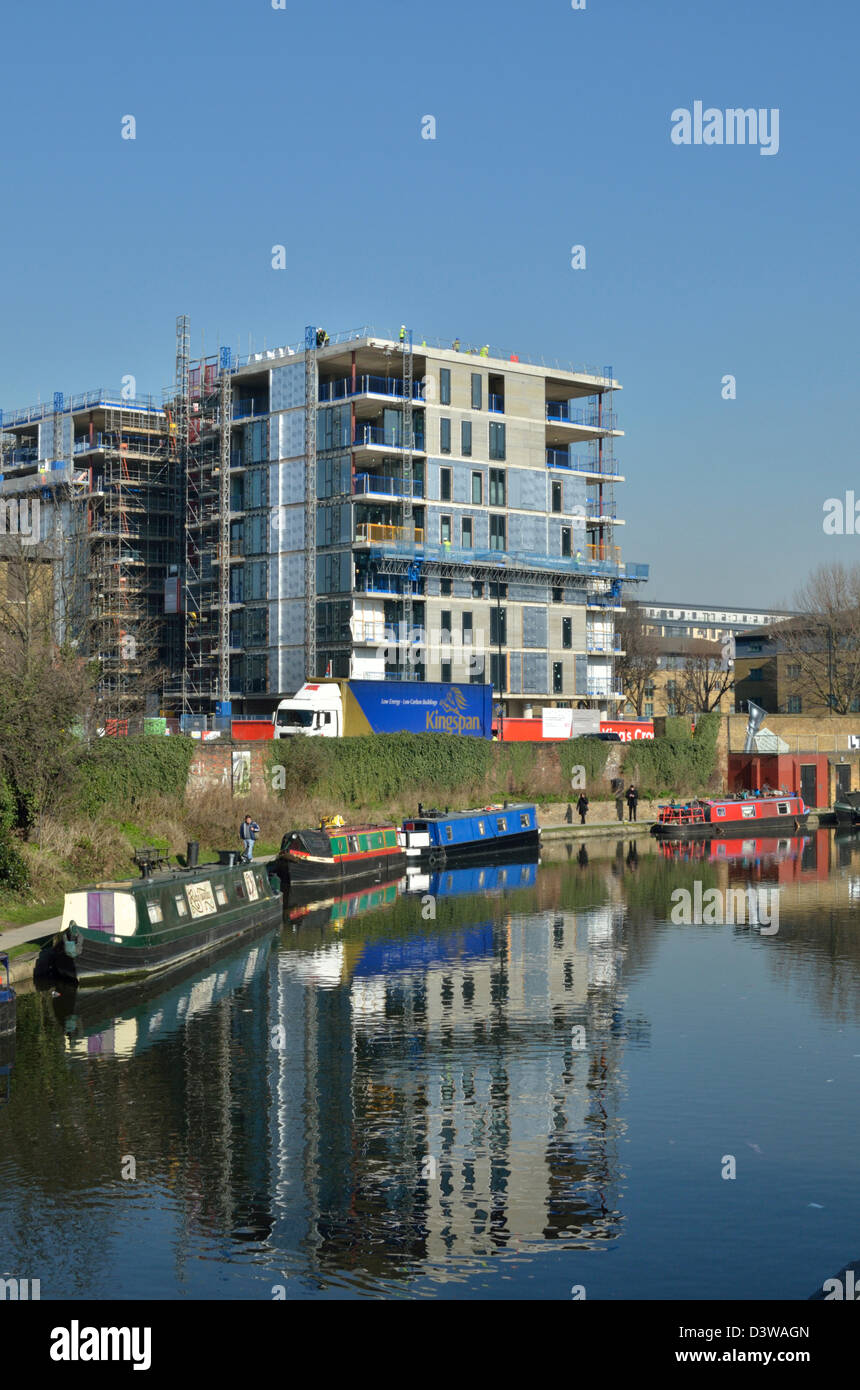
(434, 814)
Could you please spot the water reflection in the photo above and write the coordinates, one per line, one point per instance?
(420, 1078)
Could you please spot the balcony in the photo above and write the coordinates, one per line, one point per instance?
(496, 404)
(378, 437)
(596, 648)
(345, 388)
(382, 485)
(601, 691)
(564, 413)
(245, 410)
(576, 463)
(373, 533)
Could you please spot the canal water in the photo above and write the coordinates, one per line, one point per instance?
(586, 1077)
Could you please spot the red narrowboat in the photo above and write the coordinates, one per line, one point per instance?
(335, 853)
(744, 816)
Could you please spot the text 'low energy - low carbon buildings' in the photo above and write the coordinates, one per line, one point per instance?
(354, 506)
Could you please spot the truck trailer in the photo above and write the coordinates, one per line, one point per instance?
(344, 708)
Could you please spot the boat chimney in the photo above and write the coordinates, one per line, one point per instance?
(192, 854)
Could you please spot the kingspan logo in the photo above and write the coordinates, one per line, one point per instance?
(449, 718)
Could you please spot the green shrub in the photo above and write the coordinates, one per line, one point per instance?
(664, 766)
(116, 773)
(14, 874)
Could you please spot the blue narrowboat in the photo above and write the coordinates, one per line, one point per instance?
(438, 837)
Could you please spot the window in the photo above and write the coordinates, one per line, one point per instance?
(352, 842)
(220, 895)
(558, 596)
(498, 670)
(525, 821)
(449, 832)
(154, 912)
(497, 440)
(782, 808)
(556, 497)
(445, 484)
(794, 705)
(557, 678)
(756, 673)
(477, 588)
(477, 391)
(444, 386)
(567, 633)
(445, 530)
(481, 830)
(181, 904)
(445, 672)
(445, 622)
(466, 530)
(477, 490)
(566, 540)
(793, 672)
(498, 533)
(498, 627)
(501, 822)
(445, 435)
(467, 629)
(445, 587)
(498, 590)
(466, 438)
(497, 487)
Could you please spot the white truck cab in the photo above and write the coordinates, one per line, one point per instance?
(315, 711)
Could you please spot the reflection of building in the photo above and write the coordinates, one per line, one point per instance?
(449, 1109)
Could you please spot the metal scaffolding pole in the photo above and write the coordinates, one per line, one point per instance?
(183, 359)
(226, 423)
(310, 503)
(408, 523)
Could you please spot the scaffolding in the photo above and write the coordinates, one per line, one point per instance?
(407, 444)
(123, 544)
(311, 394)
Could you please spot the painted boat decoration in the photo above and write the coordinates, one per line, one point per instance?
(747, 817)
(337, 853)
(440, 837)
(139, 928)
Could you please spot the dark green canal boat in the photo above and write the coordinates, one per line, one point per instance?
(137, 928)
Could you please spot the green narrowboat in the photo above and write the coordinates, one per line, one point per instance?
(336, 853)
(115, 930)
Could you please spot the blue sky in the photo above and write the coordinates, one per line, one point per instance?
(301, 127)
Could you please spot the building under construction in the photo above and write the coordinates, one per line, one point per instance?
(351, 505)
(106, 473)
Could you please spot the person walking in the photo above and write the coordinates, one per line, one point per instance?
(248, 832)
(632, 802)
(582, 807)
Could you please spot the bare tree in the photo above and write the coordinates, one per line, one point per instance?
(824, 641)
(637, 665)
(705, 681)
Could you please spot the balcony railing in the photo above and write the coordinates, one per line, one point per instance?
(378, 435)
(344, 388)
(603, 692)
(563, 412)
(496, 404)
(577, 463)
(244, 410)
(378, 534)
(602, 648)
(381, 485)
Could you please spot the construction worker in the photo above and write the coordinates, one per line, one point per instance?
(456, 345)
(485, 350)
(403, 332)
